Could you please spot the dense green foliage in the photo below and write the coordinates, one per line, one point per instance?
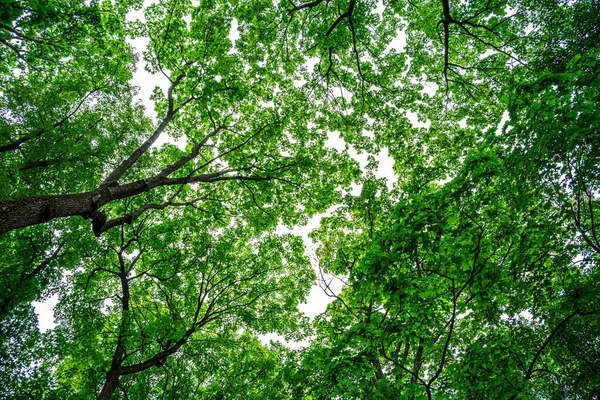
(470, 272)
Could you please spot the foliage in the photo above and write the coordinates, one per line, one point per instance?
(471, 274)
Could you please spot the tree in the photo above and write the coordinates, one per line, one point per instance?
(471, 285)
(207, 86)
(73, 143)
(464, 294)
(151, 296)
(472, 276)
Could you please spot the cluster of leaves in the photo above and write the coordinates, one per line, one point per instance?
(463, 290)
(474, 275)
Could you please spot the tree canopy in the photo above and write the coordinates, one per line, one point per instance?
(467, 271)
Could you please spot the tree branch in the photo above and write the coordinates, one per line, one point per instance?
(342, 17)
(118, 172)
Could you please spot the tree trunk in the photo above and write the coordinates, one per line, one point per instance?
(110, 384)
(28, 211)
(417, 365)
(378, 370)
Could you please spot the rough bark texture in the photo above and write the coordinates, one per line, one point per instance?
(28, 211)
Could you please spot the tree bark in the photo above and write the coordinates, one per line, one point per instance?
(114, 373)
(110, 384)
(377, 365)
(417, 365)
(28, 211)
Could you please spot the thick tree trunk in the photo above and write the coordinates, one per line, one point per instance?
(28, 211)
(114, 373)
(110, 384)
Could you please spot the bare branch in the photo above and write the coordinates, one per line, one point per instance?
(118, 172)
(190, 156)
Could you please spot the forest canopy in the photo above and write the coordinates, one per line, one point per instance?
(467, 272)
